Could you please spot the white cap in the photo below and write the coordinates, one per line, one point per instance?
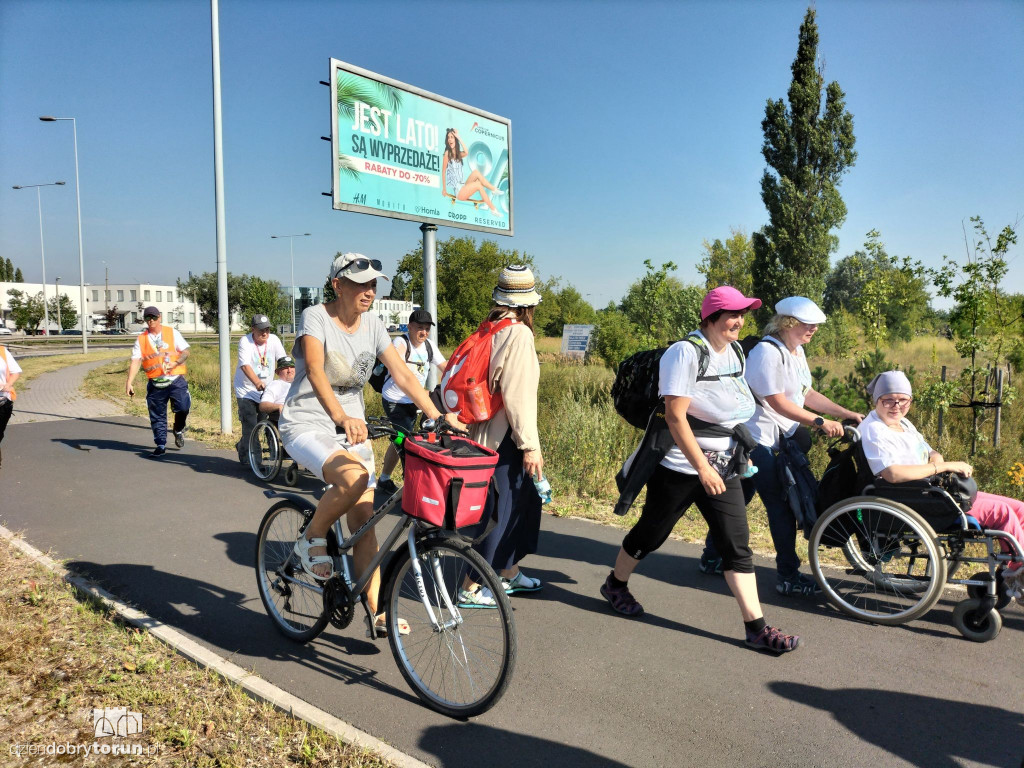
(802, 308)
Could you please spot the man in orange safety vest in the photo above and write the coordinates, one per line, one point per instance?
(160, 351)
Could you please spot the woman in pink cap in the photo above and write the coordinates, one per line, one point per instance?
(701, 381)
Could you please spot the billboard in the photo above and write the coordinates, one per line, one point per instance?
(401, 152)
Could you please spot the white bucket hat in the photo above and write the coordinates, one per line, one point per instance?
(802, 308)
(516, 287)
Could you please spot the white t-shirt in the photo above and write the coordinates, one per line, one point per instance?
(771, 373)
(7, 365)
(263, 360)
(417, 364)
(885, 447)
(726, 402)
(276, 392)
(157, 340)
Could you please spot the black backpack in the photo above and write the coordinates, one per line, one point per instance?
(380, 371)
(635, 391)
(846, 475)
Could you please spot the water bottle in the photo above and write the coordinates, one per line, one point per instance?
(750, 471)
(543, 489)
(476, 402)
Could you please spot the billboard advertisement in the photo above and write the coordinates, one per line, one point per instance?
(401, 152)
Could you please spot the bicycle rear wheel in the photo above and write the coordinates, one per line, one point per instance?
(293, 599)
(463, 666)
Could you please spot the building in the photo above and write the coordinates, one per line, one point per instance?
(390, 311)
(128, 300)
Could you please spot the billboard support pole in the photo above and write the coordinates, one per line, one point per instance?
(223, 314)
(430, 288)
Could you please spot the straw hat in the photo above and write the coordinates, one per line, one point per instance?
(516, 287)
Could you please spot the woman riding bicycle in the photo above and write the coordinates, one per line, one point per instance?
(323, 423)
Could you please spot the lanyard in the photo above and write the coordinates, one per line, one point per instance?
(263, 354)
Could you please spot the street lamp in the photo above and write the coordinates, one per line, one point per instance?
(78, 198)
(56, 282)
(42, 249)
(291, 254)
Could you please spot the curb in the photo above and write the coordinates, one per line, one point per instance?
(254, 686)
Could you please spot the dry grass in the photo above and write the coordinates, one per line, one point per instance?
(61, 655)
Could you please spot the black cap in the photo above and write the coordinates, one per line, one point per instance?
(285, 362)
(421, 316)
(150, 311)
(260, 322)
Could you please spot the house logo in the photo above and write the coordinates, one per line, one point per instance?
(116, 721)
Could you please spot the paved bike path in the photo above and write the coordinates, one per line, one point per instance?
(590, 688)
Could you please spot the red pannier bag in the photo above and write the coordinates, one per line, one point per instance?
(447, 480)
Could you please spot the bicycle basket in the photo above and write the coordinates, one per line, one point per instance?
(446, 482)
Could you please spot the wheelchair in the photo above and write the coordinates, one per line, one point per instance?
(885, 556)
(267, 455)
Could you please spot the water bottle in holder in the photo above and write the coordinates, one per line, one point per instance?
(476, 401)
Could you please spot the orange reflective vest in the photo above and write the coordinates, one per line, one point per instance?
(3, 354)
(152, 361)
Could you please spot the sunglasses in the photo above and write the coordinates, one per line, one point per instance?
(360, 265)
(147, 318)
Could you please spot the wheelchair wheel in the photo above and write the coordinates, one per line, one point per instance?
(265, 451)
(897, 569)
(974, 630)
(291, 475)
(1002, 599)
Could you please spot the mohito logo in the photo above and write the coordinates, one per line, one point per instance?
(477, 128)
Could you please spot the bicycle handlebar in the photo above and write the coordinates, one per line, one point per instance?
(380, 427)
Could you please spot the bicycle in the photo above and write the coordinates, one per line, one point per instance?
(459, 662)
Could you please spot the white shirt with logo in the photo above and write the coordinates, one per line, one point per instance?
(417, 364)
(262, 358)
(773, 370)
(886, 447)
(276, 392)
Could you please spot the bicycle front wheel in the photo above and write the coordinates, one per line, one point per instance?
(293, 599)
(459, 661)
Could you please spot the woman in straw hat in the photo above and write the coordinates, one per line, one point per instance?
(514, 371)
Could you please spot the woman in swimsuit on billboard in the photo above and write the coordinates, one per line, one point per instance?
(452, 174)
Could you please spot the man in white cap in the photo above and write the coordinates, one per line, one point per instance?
(258, 353)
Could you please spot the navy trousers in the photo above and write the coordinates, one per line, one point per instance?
(181, 404)
(519, 511)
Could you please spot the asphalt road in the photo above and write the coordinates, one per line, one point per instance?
(590, 689)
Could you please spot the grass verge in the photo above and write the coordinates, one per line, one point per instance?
(61, 655)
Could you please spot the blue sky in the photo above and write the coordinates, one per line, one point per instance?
(636, 126)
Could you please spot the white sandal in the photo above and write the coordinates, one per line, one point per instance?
(301, 549)
(380, 629)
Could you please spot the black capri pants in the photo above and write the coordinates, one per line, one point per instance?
(670, 494)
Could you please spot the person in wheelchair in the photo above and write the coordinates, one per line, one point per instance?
(272, 401)
(897, 453)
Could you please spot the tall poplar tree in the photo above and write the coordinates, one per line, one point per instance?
(807, 151)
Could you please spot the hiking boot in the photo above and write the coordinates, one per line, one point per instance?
(798, 586)
(158, 452)
(712, 566)
(621, 599)
(772, 640)
(179, 439)
(387, 486)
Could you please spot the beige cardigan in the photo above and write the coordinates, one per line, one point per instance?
(515, 372)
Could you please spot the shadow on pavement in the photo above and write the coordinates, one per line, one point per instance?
(505, 749)
(923, 730)
(232, 622)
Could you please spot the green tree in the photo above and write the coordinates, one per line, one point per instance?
(616, 337)
(27, 310)
(466, 276)
(18, 277)
(68, 314)
(729, 263)
(6, 271)
(663, 309)
(111, 317)
(985, 319)
(399, 288)
(265, 297)
(807, 150)
(561, 307)
(202, 289)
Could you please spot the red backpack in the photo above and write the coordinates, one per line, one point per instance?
(471, 360)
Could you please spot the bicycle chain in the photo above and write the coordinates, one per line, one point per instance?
(338, 602)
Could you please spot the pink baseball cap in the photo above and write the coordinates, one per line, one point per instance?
(728, 298)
